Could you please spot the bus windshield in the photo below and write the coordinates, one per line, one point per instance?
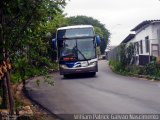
(80, 49)
(76, 32)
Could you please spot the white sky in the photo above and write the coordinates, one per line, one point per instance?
(119, 16)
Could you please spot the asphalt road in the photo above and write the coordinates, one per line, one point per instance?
(105, 93)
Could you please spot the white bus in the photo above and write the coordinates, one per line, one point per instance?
(77, 49)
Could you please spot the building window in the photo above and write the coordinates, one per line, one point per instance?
(137, 47)
(141, 47)
(147, 43)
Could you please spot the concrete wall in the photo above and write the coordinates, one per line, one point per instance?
(152, 31)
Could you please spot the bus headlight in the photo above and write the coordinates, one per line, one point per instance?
(63, 66)
(92, 63)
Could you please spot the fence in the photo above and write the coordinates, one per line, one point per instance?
(144, 51)
(114, 54)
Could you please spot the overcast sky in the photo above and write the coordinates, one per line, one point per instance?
(119, 16)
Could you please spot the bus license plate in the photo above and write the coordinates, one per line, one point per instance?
(84, 64)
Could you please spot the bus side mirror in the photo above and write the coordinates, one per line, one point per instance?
(98, 40)
(54, 44)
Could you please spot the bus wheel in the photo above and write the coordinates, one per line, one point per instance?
(93, 74)
(66, 76)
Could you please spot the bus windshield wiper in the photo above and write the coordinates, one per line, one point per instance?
(82, 55)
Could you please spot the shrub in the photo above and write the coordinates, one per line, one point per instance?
(116, 66)
(152, 68)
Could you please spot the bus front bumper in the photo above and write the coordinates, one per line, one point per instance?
(65, 70)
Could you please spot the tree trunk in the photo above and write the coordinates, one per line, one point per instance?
(4, 85)
(4, 97)
(4, 57)
(10, 95)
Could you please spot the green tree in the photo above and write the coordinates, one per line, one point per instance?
(24, 34)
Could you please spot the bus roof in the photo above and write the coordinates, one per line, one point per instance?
(75, 26)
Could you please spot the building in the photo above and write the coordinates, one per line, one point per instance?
(146, 41)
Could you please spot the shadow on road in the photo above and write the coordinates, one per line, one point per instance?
(79, 76)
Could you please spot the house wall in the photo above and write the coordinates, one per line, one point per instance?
(152, 32)
(155, 43)
(156, 32)
(140, 35)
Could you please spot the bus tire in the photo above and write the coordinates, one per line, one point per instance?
(93, 74)
(66, 76)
